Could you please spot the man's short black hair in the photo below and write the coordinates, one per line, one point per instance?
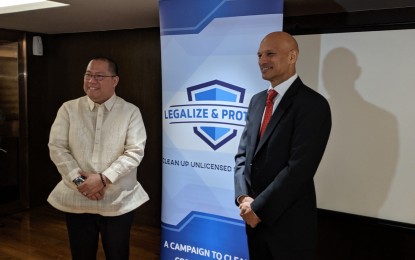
(112, 65)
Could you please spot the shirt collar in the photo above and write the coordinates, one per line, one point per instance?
(108, 104)
(283, 87)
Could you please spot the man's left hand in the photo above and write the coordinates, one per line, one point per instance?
(248, 215)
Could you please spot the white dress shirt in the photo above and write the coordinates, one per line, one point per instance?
(281, 89)
(108, 139)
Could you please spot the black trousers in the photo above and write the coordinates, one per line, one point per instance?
(84, 231)
(262, 247)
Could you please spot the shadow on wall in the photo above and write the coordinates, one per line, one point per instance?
(361, 158)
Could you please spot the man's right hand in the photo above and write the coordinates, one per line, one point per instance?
(92, 186)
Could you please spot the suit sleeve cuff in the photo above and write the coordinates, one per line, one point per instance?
(240, 199)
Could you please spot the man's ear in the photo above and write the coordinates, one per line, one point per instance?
(293, 56)
(115, 81)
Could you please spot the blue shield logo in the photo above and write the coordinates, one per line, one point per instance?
(225, 112)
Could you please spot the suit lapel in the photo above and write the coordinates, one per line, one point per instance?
(256, 115)
(282, 108)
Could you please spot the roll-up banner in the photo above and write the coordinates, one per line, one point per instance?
(209, 73)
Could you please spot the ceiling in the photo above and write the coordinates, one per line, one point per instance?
(104, 15)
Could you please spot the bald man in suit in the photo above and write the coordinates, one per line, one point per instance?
(274, 185)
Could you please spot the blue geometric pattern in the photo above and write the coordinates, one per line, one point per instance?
(213, 235)
(216, 94)
(219, 94)
(215, 132)
(192, 16)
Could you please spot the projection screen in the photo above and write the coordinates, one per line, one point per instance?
(369, 81)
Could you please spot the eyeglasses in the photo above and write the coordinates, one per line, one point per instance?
(88, 76)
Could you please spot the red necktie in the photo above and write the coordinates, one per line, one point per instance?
(268, 110)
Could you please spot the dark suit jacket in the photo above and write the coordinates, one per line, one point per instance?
(278, 170)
